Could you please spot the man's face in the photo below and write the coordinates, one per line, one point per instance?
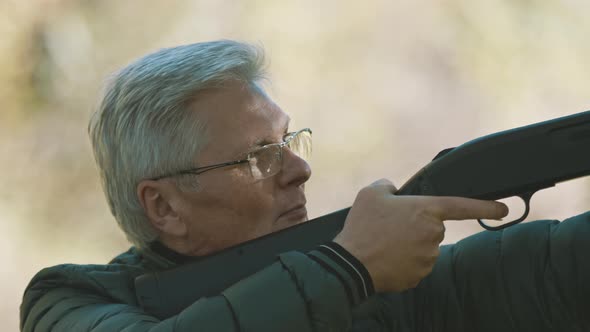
(230, 206)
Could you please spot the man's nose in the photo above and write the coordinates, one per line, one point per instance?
(295, 170)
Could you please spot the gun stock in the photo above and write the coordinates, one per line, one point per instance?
(515, 162)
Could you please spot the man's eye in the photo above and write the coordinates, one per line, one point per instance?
(287, 136)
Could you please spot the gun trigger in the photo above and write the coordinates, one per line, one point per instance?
(442, 153)
(526, 198)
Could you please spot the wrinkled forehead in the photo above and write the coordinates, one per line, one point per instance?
(239, 116)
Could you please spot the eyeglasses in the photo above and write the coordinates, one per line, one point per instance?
(265, 161)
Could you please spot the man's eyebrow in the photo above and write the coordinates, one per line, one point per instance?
(267, 140)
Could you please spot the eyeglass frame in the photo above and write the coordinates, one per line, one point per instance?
(287, 138)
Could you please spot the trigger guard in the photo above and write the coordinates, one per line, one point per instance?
(526, 198)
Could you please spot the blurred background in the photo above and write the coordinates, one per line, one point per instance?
(384, 84)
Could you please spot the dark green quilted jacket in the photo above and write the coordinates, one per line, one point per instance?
(530, 277)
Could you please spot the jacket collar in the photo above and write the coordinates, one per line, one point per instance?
(165, 256)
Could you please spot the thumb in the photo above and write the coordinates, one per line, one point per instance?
(385, 185)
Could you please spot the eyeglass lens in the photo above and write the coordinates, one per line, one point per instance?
(267, 161)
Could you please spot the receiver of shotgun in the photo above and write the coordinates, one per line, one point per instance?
(515, 162)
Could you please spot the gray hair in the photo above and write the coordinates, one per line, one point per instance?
(144, 126)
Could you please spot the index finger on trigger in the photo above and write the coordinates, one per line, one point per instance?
(460, 208)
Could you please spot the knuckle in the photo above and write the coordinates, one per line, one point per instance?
(364, 194)
(433, 208)
(364, 191)
(369, 190)
(421, 213)
(429, 211)
(382, 181)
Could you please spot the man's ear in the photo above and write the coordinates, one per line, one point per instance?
(156, 198)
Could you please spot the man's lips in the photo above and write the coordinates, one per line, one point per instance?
(297, 212)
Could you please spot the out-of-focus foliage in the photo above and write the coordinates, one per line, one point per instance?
(384, 84)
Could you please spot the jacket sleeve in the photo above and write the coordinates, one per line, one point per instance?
(296, 293)
(529, 277)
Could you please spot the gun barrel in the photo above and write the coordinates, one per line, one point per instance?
(509, 163)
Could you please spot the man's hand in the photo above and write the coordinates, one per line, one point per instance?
(397, 237)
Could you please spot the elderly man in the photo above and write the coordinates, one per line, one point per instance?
(194, 157)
